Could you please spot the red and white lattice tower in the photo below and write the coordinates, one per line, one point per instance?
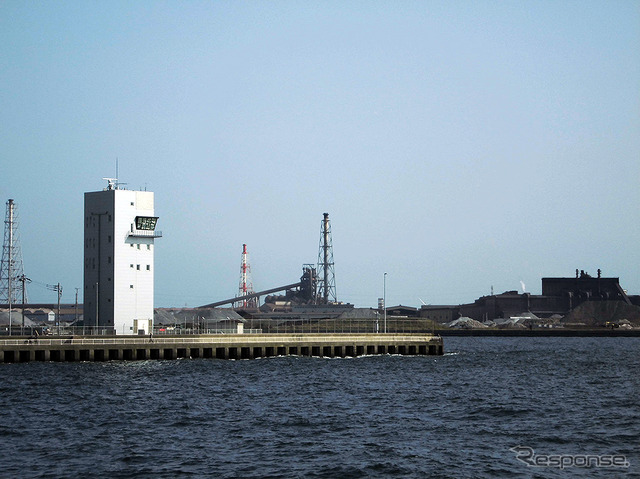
(246, 287)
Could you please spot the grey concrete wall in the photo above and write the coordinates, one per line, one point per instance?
(242, 346)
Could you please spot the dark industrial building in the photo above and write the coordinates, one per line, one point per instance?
(560, 296)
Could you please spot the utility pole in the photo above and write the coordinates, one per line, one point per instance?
(23, 279)
(10, 280)
(10, 276)
(10, 263)
(77, 304)
(58, 288)
(384, 296)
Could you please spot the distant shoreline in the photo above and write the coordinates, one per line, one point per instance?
(551, 332)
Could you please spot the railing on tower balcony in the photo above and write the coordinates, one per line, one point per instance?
(145, 233)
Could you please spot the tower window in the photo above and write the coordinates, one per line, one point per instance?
(148, 267)
(130, 286)
(138, 267)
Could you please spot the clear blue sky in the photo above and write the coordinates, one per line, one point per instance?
(456, 145)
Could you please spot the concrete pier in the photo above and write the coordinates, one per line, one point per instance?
(227, 346)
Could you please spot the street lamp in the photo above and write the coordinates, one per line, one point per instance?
(384, 301)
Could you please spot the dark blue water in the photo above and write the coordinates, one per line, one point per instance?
(456, 415)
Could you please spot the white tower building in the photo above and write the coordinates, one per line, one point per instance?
(119, 233)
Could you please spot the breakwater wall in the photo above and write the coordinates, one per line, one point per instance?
(226, 346)
(543, 332)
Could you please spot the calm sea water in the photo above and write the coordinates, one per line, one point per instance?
(455, 416)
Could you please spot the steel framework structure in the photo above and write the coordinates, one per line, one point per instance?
(246, 287)
(326, 278)
(12, 279)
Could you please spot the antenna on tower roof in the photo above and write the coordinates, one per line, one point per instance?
(112, 183)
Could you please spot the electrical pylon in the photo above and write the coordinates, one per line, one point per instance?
(12, 279)
(245, 282)
(326, 272)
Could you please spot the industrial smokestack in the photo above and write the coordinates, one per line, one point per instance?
(327, 288)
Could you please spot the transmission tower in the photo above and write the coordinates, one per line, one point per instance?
(246, 287)
(327, 277)
(12, 282)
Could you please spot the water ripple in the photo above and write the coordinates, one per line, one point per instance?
(380, 416)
